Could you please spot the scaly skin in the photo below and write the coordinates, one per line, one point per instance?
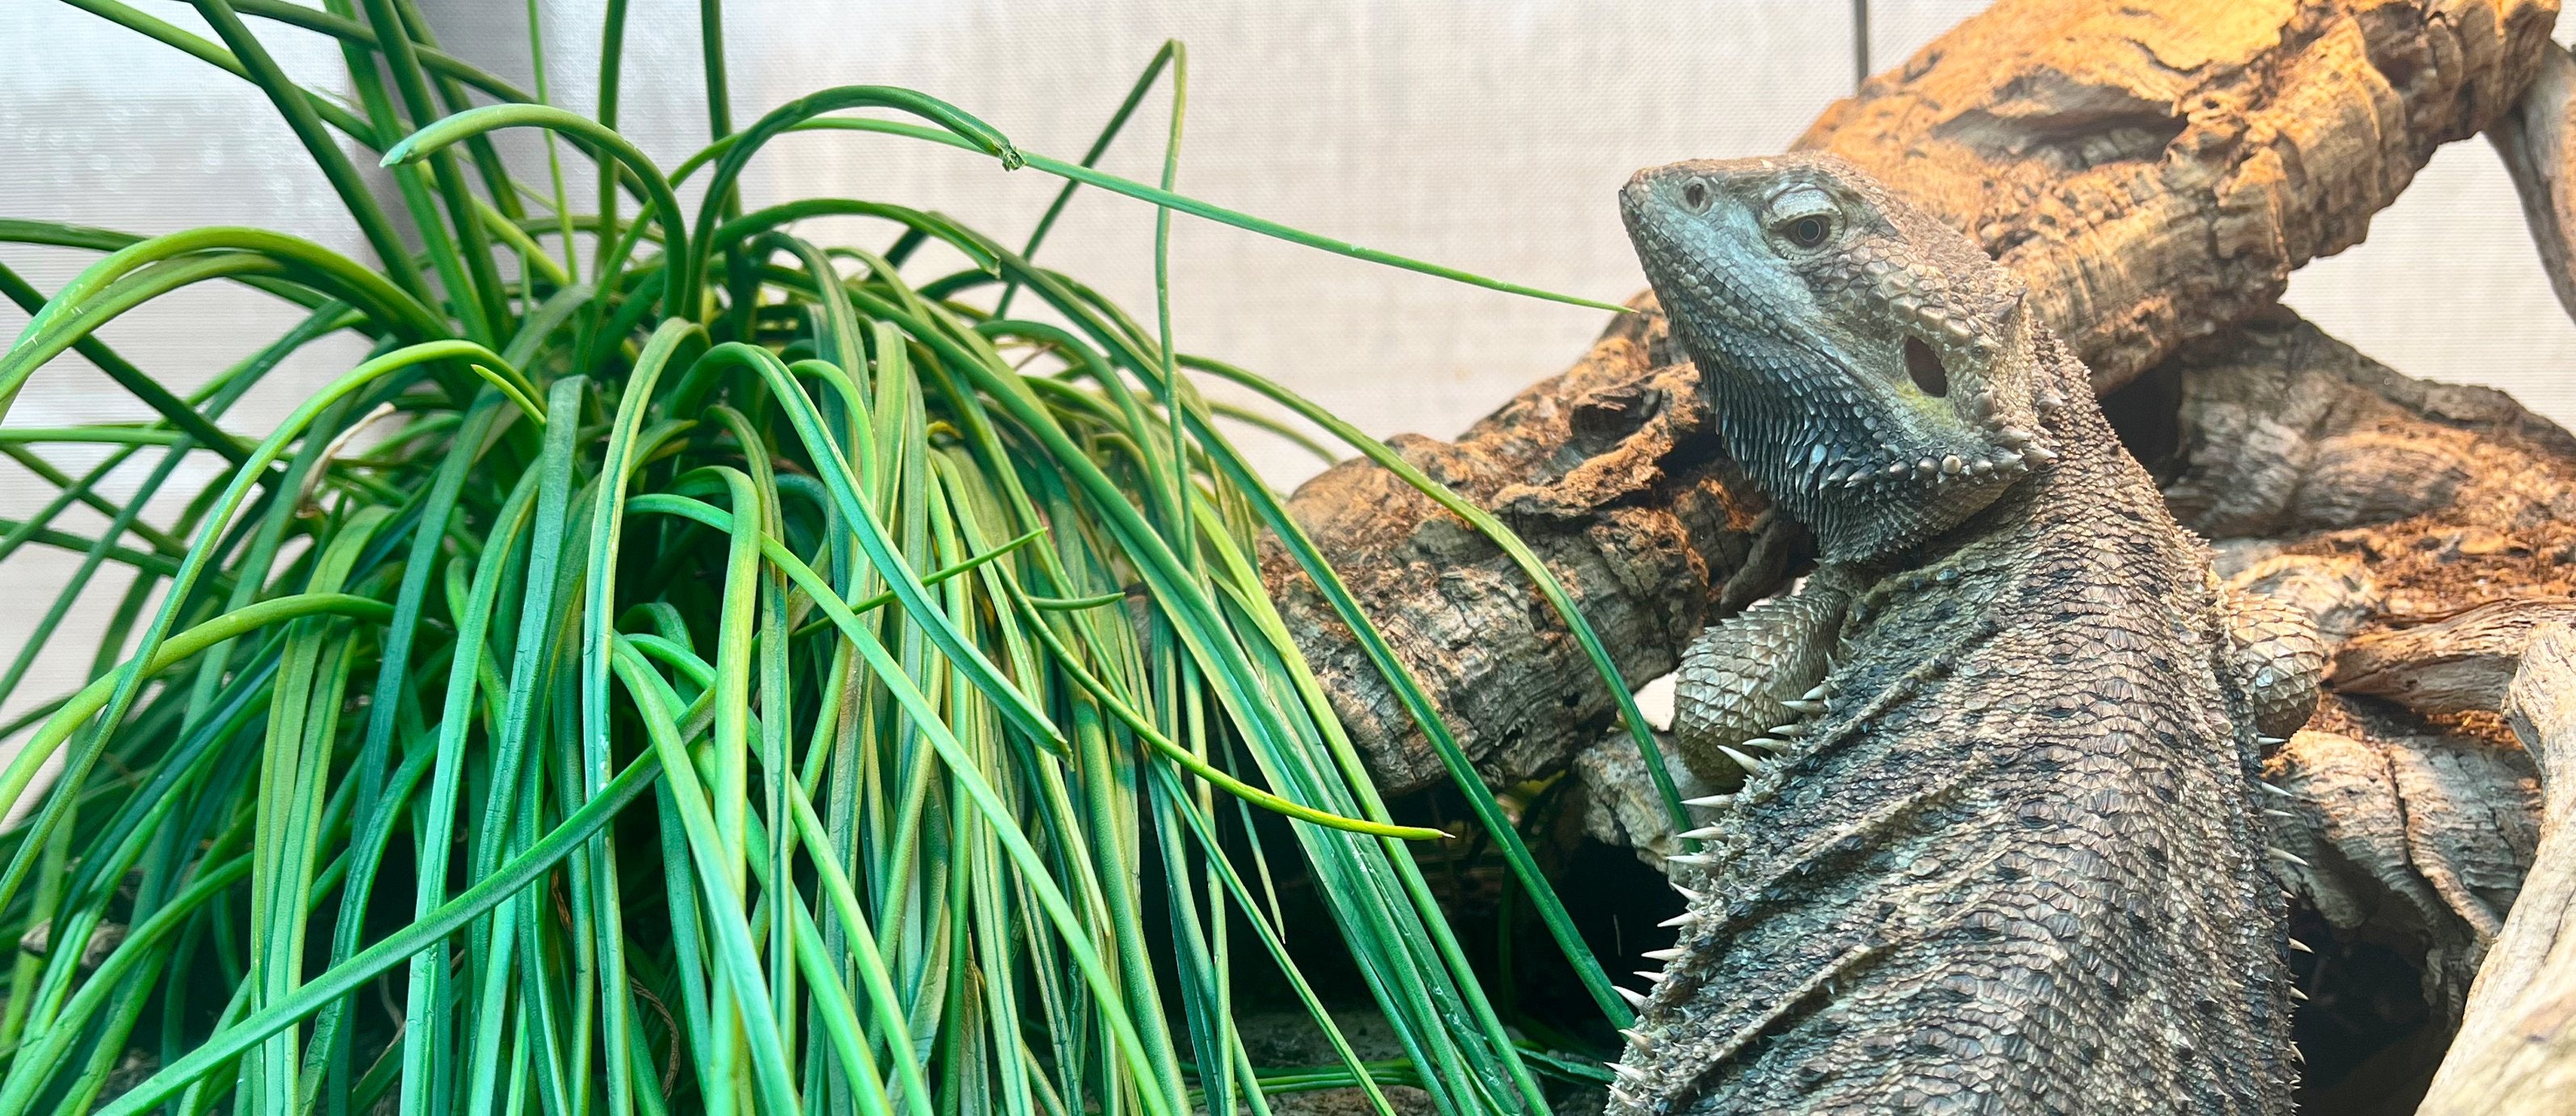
(2006, 853)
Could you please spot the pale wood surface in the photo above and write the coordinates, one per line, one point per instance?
(2537, 152)
(2516, 1051)
(2157, 170)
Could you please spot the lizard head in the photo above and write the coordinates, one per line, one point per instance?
(1872, 369)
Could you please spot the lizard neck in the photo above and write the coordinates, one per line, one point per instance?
(2054, 505)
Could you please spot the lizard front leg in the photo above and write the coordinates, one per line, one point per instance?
(1750, 674)
(2279, 657)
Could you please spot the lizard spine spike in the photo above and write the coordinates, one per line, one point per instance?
(1750, 765)
(1661, 954)
(1709, 800)
(2286, 854)
(1653, 976)
(1637, 1040)
(2300, 946)
(1703, 833)
(1635, 998)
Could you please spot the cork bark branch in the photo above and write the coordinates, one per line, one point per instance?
(2537, 150)
(2153, 170)
(2516, 1051)
(2157, 170)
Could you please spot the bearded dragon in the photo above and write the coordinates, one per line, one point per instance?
(1999, 843)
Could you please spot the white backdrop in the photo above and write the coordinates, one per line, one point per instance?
(1484, 134)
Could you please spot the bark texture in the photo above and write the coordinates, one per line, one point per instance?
(1611, 472)
(2155, 171)
(2516, 1054)
(2541, 156)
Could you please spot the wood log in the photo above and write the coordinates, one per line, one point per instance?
(2541, 156)
(2516, 1050)
(2153, 171)
(2452, 665)
(1612, 474)
(2157, 170)
(2416, 842)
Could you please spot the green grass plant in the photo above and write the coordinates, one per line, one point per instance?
(738, 676)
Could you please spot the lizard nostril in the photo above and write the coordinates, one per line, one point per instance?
(1695, 195)
(1924, 367)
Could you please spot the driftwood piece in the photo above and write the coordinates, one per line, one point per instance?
(2454, 665)
(2157, 170)
(2516, 1050)
(1611, 473)
(2283, 432)
(2154, 174)
(2541, 156)
(2418, 842)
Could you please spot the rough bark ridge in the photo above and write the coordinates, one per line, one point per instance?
(2517, 1054)
(2152, 171)
(2155, 171)
(1611, 473)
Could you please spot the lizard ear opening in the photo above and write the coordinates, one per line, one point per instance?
(1924, 367)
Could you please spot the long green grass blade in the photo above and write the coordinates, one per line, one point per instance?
(939, 637)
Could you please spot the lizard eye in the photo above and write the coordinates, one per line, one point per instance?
(1804, 219)
(1695, 195)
